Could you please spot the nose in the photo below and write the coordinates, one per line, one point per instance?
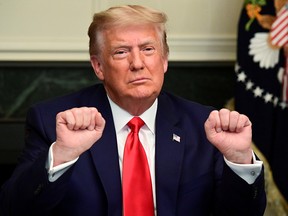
(136, 61)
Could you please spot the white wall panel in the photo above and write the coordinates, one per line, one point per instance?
(56, 30)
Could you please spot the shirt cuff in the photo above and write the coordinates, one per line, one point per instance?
(248, 172)
(55, 172)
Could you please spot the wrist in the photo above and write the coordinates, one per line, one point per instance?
(240, 157)
(61, 155)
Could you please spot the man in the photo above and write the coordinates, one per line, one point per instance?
(83, 171)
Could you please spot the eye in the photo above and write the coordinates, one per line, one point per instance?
(149, 50)
(120, 54)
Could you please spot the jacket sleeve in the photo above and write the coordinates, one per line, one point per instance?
(28, 191)
(236, 197)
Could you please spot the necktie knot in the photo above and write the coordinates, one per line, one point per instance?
(135, 124)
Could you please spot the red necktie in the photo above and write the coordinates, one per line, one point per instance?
(136, 180)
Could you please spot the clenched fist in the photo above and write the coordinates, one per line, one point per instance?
(231, 133)
(77, 130)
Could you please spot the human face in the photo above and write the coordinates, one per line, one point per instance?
(131, 65)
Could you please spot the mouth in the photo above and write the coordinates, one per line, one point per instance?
(139, 81)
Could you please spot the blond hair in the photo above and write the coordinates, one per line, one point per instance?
(123, 16)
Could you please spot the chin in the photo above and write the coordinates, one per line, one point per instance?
(146, 95)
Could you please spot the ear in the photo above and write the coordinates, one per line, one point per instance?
(165, 64)
(96, 64)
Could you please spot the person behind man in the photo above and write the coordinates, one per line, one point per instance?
(200, 160)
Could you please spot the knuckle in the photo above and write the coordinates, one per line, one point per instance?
(224, 110)
(235, 113)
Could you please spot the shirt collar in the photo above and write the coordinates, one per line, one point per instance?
(121, 117)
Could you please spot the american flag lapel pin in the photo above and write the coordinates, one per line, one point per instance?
(176, 138)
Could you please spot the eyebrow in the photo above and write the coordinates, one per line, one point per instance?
(126, 45)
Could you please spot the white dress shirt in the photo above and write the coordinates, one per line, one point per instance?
(146, 135)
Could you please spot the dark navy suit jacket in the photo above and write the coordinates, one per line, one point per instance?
(191, 176)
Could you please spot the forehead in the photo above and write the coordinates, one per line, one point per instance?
(132, 33)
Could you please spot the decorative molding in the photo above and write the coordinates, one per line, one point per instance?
(46, 49)
(182, 48)
(202, 48)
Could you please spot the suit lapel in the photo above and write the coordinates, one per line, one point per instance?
(105, 156)
(168, 157)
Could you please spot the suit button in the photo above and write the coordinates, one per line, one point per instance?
(38, 189)
(255, 193)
